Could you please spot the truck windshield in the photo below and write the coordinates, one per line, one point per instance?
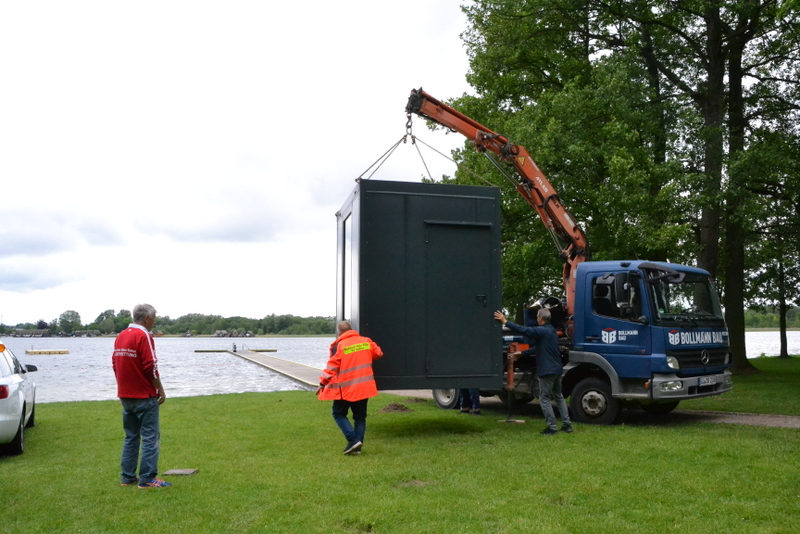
(681, 298)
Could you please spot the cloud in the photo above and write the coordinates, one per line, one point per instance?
(195, 154)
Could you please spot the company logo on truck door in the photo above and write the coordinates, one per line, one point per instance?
(695, 338)
(611, 336)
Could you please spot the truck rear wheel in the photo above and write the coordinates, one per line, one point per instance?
(446, 399)
(591, 402)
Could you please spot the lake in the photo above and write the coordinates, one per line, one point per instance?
(85, 373)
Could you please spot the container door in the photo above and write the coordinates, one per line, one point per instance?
(458, 299)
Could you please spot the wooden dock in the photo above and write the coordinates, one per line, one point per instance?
(304, 375)
(46, 351)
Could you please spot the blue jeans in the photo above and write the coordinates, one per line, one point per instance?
(340, 408)
(469, 398)
(549, 387)
(140, 422)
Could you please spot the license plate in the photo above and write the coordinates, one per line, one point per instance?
(707, 381)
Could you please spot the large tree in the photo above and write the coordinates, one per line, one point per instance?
(69, 321)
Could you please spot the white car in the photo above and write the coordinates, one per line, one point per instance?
(17, 402)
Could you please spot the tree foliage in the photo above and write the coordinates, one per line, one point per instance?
(647, 118)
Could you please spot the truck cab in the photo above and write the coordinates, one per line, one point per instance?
(650, 333)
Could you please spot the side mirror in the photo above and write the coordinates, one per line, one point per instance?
(643, 320)
(30, 368)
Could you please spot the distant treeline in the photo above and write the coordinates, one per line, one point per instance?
(284, 325)
(769, 318)
(196, 324)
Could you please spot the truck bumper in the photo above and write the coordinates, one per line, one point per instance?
(674, 387)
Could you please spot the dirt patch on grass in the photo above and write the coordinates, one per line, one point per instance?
(396, 407)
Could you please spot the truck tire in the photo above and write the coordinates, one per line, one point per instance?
(446, 399)
(591, 402)
(660, 408)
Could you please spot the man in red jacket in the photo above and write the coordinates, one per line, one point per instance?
(348, 381)
(140, 392)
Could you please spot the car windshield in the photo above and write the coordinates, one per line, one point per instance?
(684, 298)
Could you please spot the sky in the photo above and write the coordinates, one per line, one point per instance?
(193, 154)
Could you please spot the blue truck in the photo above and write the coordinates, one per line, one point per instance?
(633, 333)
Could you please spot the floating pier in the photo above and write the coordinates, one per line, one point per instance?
(233, 352)
(304, 375)
(46, 351)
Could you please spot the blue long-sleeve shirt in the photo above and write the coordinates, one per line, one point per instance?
(548, 355)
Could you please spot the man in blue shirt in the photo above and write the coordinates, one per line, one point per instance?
(548, 368)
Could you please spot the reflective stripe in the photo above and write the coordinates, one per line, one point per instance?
(355, 368)
(355, 348)
(354, 381)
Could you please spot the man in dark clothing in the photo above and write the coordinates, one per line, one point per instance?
(548, 368)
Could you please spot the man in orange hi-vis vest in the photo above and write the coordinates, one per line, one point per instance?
(348, 381)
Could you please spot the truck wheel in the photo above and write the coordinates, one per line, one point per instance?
(591, 402)
(660, 408)
(446, 399)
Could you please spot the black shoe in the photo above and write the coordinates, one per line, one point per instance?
(548, 432)
(352, 447)
(566, 428)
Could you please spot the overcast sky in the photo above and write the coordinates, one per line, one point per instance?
(193, 154)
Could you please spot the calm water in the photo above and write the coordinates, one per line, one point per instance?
(85, 373)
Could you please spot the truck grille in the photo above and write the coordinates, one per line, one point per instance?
(690, 359)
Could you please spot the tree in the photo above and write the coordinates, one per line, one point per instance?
(69, 321)
(122, 320)
(108, 314)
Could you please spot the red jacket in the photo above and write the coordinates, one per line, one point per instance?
(135, 363)
(348, 375)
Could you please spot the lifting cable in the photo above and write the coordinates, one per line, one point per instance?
(382, 159)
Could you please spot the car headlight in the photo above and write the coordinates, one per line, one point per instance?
(672, 361)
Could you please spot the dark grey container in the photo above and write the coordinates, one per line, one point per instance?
(419, 272)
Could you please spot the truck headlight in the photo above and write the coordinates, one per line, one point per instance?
(672, 385)
(728, 357)
(672, 361)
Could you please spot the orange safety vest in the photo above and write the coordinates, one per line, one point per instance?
(348, 375)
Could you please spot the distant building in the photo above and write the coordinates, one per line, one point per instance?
(36, 332)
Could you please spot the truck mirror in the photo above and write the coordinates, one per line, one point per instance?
(643, 320)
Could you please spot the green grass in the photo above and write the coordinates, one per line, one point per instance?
(773, 391)
(272, 462)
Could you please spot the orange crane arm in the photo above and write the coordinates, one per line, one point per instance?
(533, 185)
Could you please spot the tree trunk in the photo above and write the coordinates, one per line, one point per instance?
(734, 297)
(782, 307)
(734, 201)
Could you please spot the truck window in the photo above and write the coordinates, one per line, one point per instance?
(607, 302)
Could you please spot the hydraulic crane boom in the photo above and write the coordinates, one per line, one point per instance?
(533, 185)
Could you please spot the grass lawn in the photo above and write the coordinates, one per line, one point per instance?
(775, 390)
(272, 462)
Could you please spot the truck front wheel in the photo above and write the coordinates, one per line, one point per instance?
(446, 399)
(591, 402)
